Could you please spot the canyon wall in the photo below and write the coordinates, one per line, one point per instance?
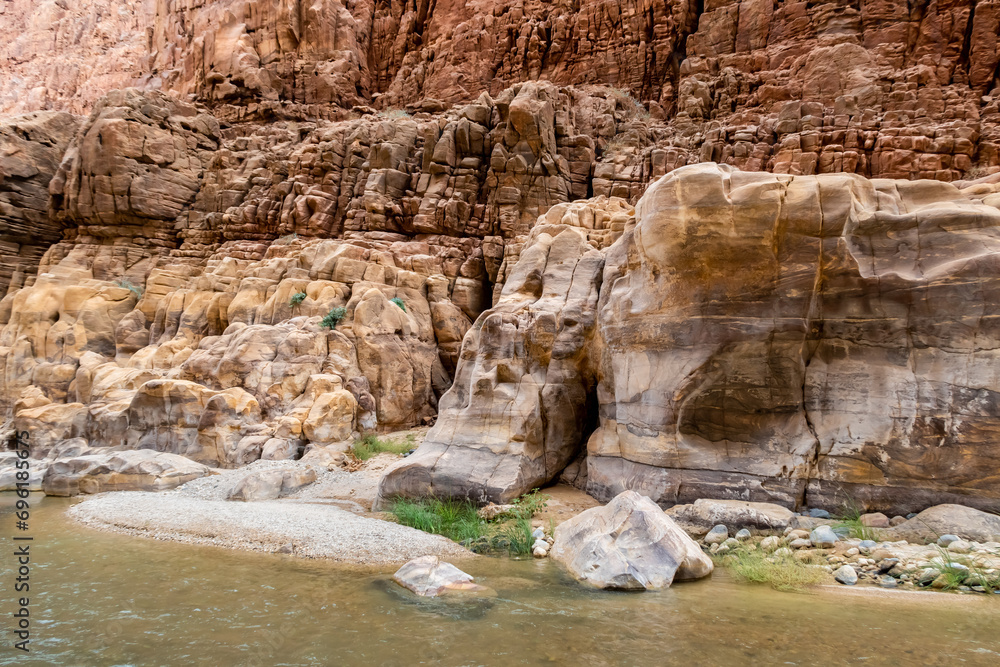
(189, 189)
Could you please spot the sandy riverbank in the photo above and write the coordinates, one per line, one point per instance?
(307, 530)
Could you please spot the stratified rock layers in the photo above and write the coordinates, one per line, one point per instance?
(793, 339)
(769, 337)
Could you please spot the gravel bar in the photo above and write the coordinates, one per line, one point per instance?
(303, 529)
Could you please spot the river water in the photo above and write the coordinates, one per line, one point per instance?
(106, 599)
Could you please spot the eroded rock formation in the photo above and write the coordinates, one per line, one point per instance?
(192, 187)
(794, 339)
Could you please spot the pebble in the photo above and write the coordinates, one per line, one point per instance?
(959, 547)
(770, 543)
(800, 544)
(819, 514)
(846, 575)
(538, 533)
(743, 535)
(867, 545)
(823, 537)
(853, 551)
(731, 543)
(927, 576)
(717, 535)
(945, 540)
(885, 581)
(538, 552)
(783, 552)
(887, 564)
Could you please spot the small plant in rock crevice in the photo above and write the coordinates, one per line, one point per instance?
(634, 109)
(369, 445)
(391, 114)
(125, 283)
(333, 318)
(297, 299)
(399, 302)
(286, 239)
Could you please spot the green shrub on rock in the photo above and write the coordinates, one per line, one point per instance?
(297, 299)
(399, 302)
(333, 318)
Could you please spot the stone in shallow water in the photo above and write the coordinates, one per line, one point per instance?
(428, 576)
(629, 544)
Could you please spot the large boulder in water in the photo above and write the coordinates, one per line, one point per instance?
(628, 544)
(965, 522)
(429, 576)
(135, 470)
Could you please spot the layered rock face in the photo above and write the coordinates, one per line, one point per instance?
(763, 337)
(450, 188)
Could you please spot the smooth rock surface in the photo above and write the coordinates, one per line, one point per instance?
(629, 544)
(951, 520)
(429, 576)
(139, 470)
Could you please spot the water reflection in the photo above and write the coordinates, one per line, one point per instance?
(104, 599)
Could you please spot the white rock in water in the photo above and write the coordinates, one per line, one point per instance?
(429, 577)
(628, 544)
(539, 552)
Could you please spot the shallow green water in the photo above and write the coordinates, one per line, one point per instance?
(104, 599)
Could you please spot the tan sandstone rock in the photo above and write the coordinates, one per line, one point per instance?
(141, 470)
(629, 544)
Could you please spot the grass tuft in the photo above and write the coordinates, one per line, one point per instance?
(370, 445)
(850, 518)
(459, 520)
(297, 299)
(333, 318)
(782, 573)
(455, 519)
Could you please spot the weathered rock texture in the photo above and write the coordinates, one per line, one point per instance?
(120, 471)
(245, 167)
(629, 544)
(790, 339)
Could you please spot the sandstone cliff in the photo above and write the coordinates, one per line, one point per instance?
(188, 188)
